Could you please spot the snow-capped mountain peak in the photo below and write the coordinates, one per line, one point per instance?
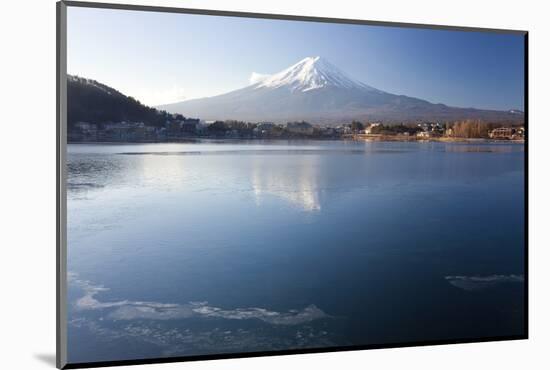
(316, 91)
(309, 74)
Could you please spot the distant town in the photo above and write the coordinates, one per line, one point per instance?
(179, 128)
(99, 113)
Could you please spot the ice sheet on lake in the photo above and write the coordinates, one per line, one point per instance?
(131, 310)
(471, 283)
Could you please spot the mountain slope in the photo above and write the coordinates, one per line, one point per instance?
(92, 102)
(315, 90)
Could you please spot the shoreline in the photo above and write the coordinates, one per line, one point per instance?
(442, 139)
(384, 138)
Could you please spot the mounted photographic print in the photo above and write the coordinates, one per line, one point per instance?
(234, 184)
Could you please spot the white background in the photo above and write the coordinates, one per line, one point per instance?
(27, 159)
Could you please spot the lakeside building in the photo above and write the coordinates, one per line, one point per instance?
(436, 129)
(424, 134)
(83, 131)
(344, 129)
(265, 126)
(85, 126)
(264, 129)
(123, 131)
(507, 133)
(112, 131)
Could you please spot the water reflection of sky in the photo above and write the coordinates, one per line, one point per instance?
(242, 247)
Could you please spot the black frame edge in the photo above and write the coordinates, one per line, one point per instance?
(526, 178)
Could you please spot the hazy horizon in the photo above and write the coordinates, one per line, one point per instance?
(162, 58)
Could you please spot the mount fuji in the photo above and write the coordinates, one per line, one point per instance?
(317, 91)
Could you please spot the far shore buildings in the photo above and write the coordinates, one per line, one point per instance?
(424, 134)
(510, 133)
(85, 126)
(180, 128)
(263, 129)
(123, 131)
(83, 131)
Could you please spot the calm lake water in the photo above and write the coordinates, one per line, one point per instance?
(202, 248)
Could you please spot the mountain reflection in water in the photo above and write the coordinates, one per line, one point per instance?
(296, 183)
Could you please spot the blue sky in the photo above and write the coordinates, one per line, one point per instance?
(162, 57)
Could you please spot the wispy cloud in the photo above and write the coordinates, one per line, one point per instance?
(257, 77)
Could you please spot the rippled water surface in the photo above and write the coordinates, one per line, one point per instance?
(213, 247)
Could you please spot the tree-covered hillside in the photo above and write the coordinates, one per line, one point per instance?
(92, 102)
